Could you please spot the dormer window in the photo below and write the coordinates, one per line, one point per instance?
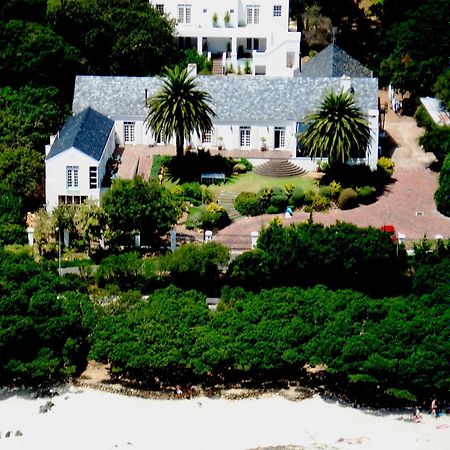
(276, 10)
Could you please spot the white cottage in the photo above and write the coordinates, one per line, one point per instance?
(75, 161)
(236, 32)
(249, 109)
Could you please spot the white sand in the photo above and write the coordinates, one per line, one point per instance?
(85, 419)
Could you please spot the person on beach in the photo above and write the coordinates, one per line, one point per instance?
(434, 407)
(417, 417)
(178, 391)
(189, 390)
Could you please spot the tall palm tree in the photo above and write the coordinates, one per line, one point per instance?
(179, 108)
(338, 130)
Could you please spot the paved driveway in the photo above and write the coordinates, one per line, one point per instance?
(408, 203)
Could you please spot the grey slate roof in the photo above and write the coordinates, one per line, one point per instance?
(333, 62)
(236, 99)
(87, 131)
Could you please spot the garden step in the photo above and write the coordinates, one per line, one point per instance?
(226, 199)
(279, 168)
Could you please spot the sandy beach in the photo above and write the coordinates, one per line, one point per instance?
(89, 419)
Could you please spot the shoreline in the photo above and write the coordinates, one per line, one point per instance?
(88, 418)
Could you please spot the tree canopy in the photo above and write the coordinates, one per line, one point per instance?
(338, 130)
(179, 108)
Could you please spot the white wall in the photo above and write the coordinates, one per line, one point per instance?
(55, 173)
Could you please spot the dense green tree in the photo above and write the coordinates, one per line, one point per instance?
(408, 61)
(194, 266)
(12, 220)
(29, 115)
(21, 173)
(90, 221)
(137, 206)
(31, 53)
(179, 108)
(44, 323)
(338, 130)
(442, 195)
(442, 88)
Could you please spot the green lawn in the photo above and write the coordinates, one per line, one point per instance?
(251, 182)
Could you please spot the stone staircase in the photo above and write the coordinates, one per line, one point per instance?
(278, 168)
(217, 68)
(226, 199)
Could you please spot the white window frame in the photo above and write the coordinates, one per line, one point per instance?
(72, 179)
(184, 11)
(282, 131)
(93, 177)
(277, 10)
(207, 137)
(159, 7)
(252, 14)
(129, 135)
(245, 136)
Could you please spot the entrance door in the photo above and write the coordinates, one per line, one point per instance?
(279, 137)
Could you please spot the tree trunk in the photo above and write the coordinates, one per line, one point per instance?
(180, 144)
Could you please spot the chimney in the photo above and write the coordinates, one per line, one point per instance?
(346, 83)
(192, 69)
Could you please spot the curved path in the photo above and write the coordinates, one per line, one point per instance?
(408, 203)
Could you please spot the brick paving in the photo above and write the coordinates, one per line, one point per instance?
(408, 203)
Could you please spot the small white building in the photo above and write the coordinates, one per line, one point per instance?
(237, 32)
(75, 160)
(249, 110)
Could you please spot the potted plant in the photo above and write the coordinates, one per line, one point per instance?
(263, 144)
(219, 143)
(215, 18)
(227, 19)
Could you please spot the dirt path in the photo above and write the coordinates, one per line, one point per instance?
(408, 203)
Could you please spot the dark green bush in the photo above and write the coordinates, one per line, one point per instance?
(214, 217)
(298, 197)
(436, 139)
(196, 191)
(321, 203)
(246, 163)
(279, 201)
(274, 210)
(422, 117)
(239, 168)
(348, 198)
(248, 204)
(326, 191)
(442, 195)
(366, 194)
(351, 176)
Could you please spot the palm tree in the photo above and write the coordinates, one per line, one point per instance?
(179, 108)
(338, 130)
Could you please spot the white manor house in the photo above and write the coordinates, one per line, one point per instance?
(237, 32)
(250, 110)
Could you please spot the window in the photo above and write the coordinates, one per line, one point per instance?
(160, 8)
(184, 13)
(93, 177)
(276, 10)
(72, 177)
(71, 199)
(206, 137)
(280, 137)
(128, 132)
(290, 58)
(252, 14)
(245, 136)
(252, 44)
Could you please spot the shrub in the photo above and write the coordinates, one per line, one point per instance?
(298, 197)
(321, 203)
(279, 201)
(326, 191)
(214, 217)
(366, 194)
(273, 210)
(239, 168)
(193, 219)
(248, 204)
(422, 117)
(245, 162)
(347, 198)
(386, 166)
(309, 197)
(289, 188)
(336, 189)
(436, 139)
(442, 195)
